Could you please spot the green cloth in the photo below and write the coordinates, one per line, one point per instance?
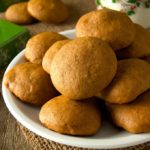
(13, 39)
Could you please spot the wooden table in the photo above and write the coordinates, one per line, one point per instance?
(11, 137)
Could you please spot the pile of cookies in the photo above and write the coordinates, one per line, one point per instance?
(53, 11)
(70, 78)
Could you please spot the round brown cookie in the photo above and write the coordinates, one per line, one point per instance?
(132, 79)
(38, 45)
(133, 117)
(17, 13)
(140, 46)
(114, 27)
(83, 67)
(72, 117)
(30, 83)
(48, 10)
(49, 55)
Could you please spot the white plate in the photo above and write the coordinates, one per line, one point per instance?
(107, 137)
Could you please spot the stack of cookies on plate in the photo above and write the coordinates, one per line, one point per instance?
(53, 11)
(70, 78)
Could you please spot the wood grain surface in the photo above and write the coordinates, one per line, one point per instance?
(11, 137)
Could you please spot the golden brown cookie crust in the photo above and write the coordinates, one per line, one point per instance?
(132, 79)
(72, 117)
(37, 46)
(83, 67)
(48, 10)
(133, 117)
(17, 13)
(49, 55)
(140, 46)
(30, 83)
(114, 27)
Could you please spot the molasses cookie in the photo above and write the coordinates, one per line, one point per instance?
(67, 116)
(38, 45)
(30, 83)
(140, 46)
(49, 55)
(131, 80)
(112, 26)
(133, 117)
(54, 11)
(83, 67)
(17, 13)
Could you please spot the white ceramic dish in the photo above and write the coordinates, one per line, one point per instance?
(27, 115)
(140, 16)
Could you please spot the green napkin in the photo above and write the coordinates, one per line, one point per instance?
(13, 39)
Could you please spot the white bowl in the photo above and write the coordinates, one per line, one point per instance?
(27, 115)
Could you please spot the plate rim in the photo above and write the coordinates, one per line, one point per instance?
(63, 139)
